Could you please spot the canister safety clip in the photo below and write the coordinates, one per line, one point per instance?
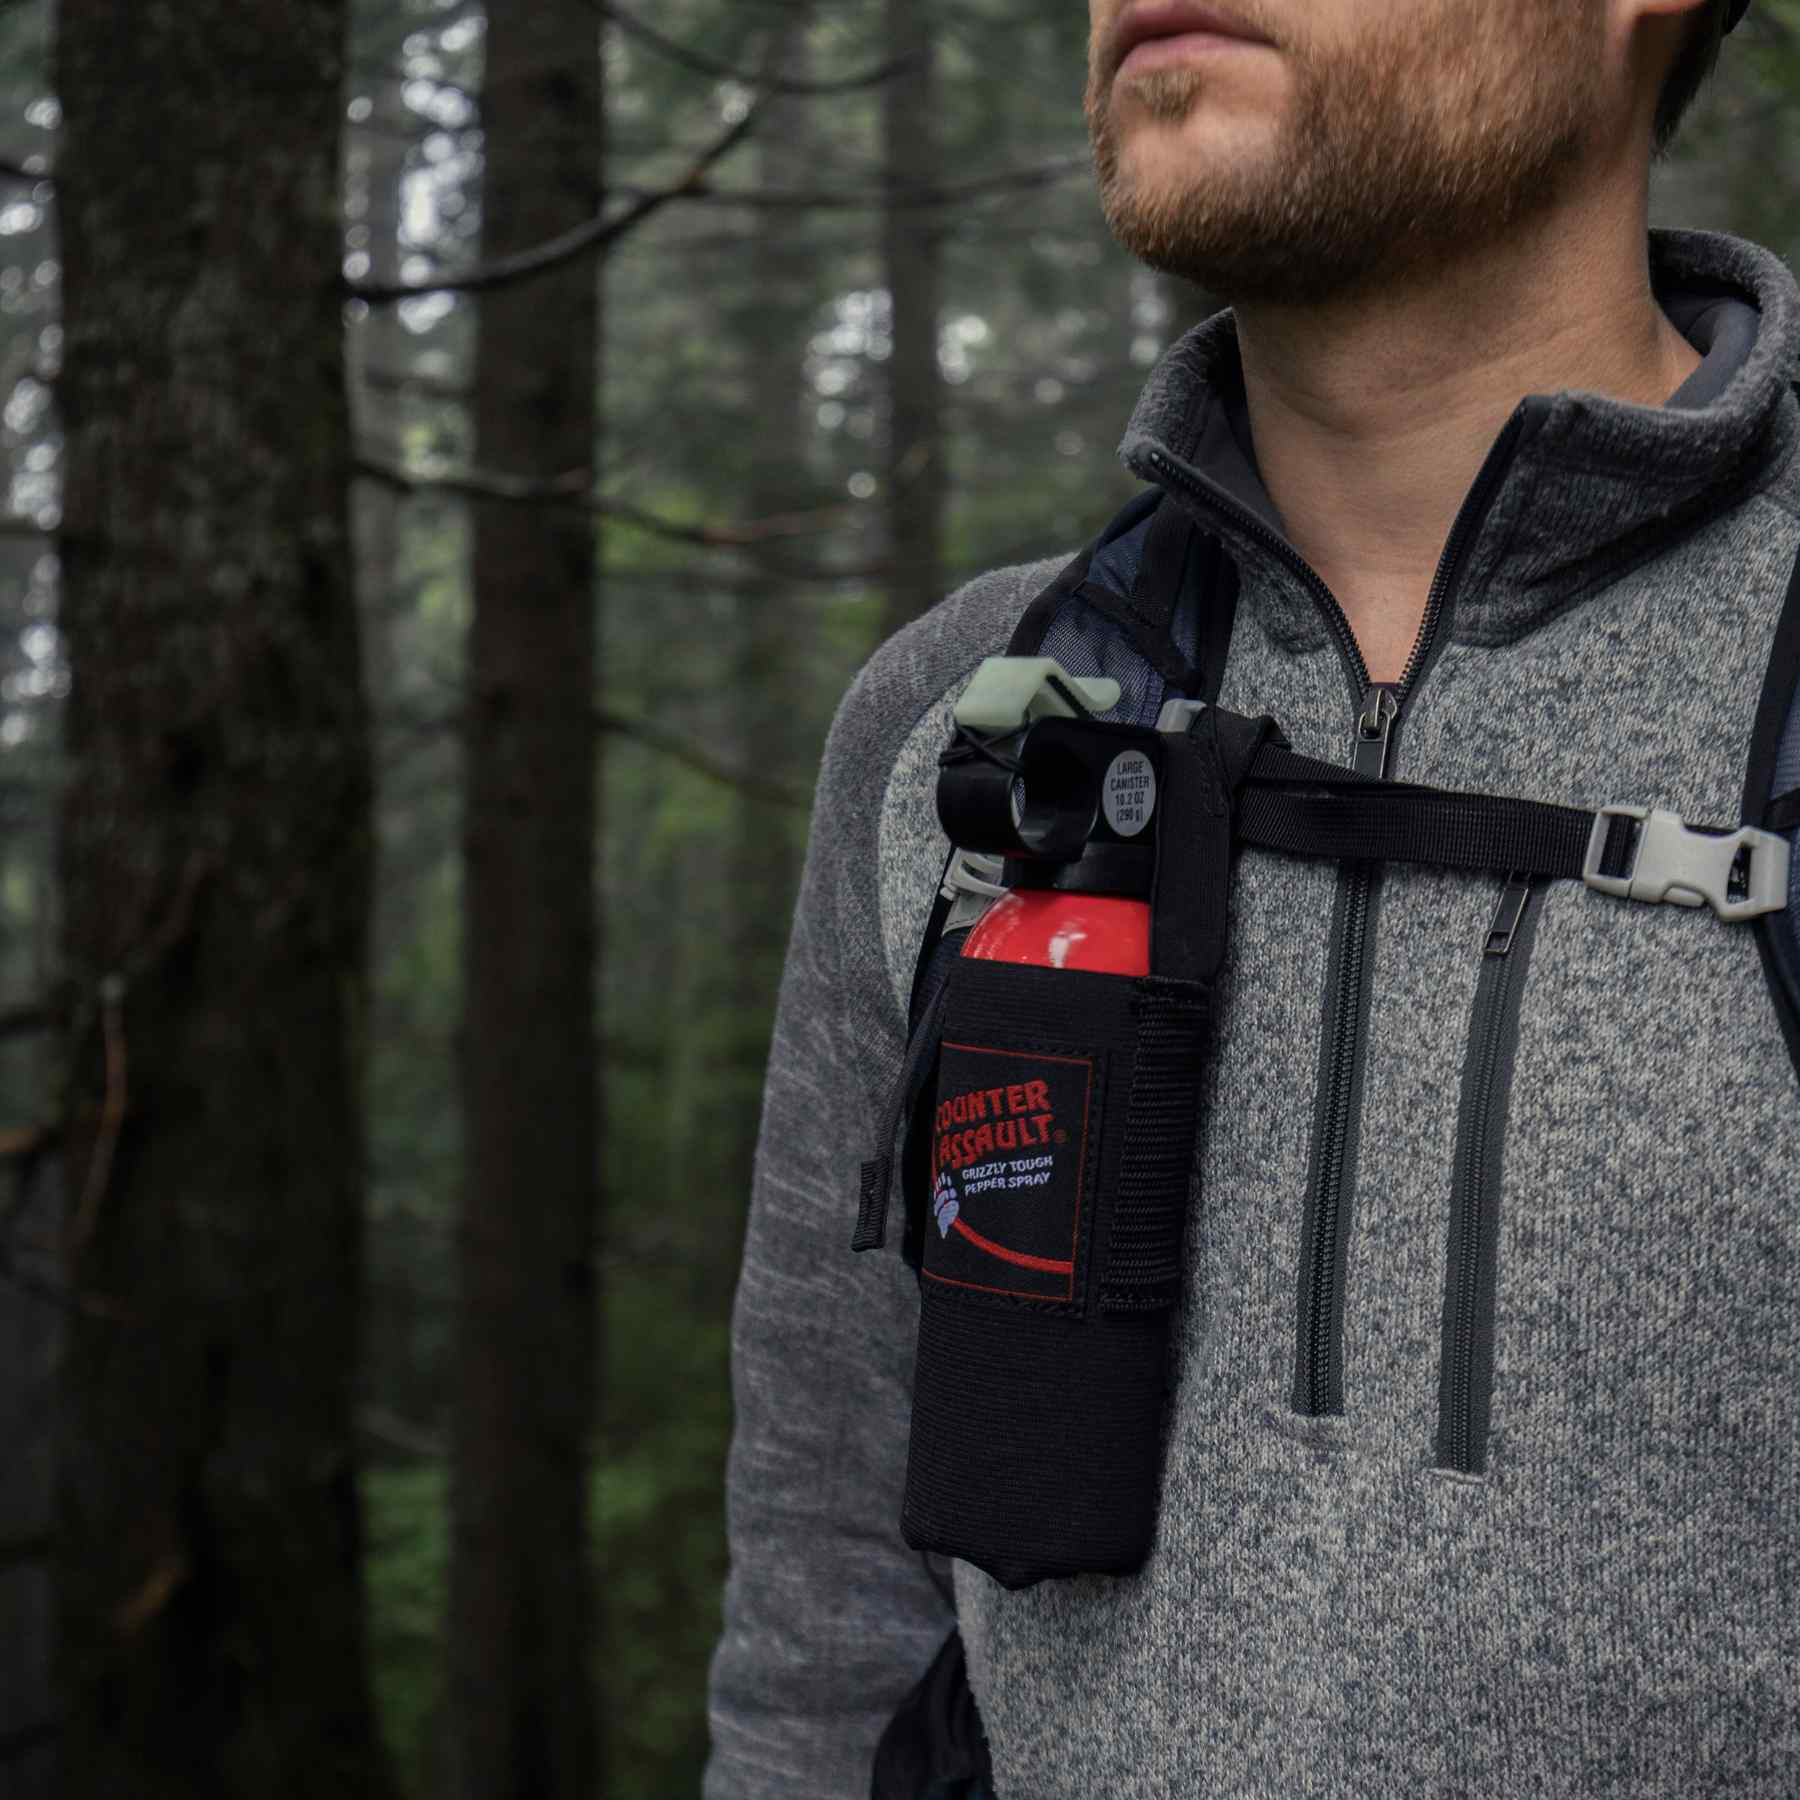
(1007, 692)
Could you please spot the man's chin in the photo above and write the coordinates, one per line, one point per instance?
(1160, 159)
(1236, 264)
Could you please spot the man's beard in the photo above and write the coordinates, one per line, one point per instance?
(1434, 129)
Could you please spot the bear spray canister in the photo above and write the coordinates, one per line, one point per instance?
(1055, 1145)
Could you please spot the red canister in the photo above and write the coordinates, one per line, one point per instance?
(1103, 932)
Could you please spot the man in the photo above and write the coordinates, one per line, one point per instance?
(1517, 480)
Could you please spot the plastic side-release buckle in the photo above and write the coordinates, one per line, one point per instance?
(1739, 873)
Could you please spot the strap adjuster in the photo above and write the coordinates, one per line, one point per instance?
(1739, 873)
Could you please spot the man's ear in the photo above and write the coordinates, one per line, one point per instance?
(1674, 20)
(1659, 31)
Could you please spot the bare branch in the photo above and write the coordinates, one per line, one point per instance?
(572, 489)
(597, 234)
(732, 537)
(757, 787)
(666, 743)
(780, 84)
(950, 194)
(600, 233)
(477, 484)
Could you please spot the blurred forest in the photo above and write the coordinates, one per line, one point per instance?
(456, 460)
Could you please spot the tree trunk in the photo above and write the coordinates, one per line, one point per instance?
(31, 1331)
(214, 857)
(380, 350)
(776, 629)
(522, 1696)
(916, 487)
(30, 1344)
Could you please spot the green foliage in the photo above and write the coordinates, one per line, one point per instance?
(659, 1552)
(407, 1533)
(659, 1523)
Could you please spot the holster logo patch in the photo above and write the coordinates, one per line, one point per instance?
(1008, 1169)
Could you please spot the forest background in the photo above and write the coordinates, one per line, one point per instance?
(456, 462)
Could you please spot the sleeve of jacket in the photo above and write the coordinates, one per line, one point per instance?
(829, 1617)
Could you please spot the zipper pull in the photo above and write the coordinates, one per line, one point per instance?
(1508, 914)
(1374, 727)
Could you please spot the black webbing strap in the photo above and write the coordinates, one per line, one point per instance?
(1309, 808)
(1204, 769)
(1215, 575)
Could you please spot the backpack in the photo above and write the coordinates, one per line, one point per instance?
(1151, 602)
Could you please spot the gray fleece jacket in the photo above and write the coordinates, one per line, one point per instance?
(1608, 1601)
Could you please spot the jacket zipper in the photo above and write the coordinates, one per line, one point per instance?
(1318, 1373)
(1318, 1361)
(1466, 1370)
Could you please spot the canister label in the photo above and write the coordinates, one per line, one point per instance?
(1128, 794)
(1008, 1169)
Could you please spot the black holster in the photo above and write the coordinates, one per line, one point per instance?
(1062, 1121)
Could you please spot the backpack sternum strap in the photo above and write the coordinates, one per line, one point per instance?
(1308, 808)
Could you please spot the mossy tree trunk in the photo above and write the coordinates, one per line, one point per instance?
(214, 857)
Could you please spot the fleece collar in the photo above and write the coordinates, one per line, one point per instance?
(1594, 485)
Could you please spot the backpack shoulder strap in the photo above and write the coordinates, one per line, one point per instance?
(1778, 934)
(1183, 577)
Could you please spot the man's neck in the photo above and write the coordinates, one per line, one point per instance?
(1371, 419)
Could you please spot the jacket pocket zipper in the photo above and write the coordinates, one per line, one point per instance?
(1466, 1367)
